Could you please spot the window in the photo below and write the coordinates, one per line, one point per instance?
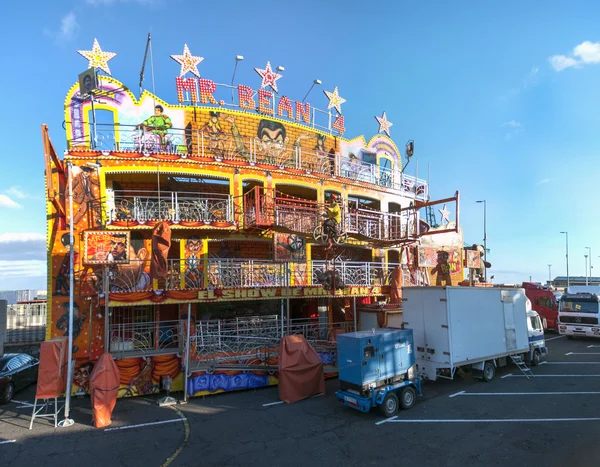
(369, 352)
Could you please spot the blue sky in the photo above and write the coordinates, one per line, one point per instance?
(501, 99)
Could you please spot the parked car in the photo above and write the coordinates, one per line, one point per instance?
(17, 371)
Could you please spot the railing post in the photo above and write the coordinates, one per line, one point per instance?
(187, 353)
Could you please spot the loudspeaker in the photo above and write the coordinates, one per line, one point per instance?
(88, 82)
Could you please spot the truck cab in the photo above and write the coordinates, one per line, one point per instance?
(535, 331)
(544, 302)
(579, 312)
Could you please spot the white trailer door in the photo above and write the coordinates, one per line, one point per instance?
(435, 314)
(508, 303)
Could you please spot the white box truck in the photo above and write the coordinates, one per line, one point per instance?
(476, 327)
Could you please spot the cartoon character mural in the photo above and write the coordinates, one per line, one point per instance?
(61, 327)
(477, 272)
(289, 247)
(194, 277)
(61, 286)
(212, 129)
(86, 195)
(82, 377)
(155, 131)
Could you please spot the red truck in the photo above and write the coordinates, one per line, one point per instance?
(544, 302)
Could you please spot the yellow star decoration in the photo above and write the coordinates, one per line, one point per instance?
(384, 124)
(97, 58)
(188, 62)
(335, 100)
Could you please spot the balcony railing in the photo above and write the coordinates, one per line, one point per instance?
(187, 143)
(144, 206)
(245, 273)
(148, 338)
(267, 208)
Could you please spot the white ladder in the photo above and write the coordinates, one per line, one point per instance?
(518, 360)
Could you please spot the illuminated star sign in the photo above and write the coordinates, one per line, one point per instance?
(384, 124)
(188, 62)
(335, 100)
(97, 58)
(445, 214)
(269, 77)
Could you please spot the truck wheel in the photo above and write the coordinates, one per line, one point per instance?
(390, 405)
(408, 397)
(488, 372)
(535, 361)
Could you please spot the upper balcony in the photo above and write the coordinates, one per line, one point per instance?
(197, 145)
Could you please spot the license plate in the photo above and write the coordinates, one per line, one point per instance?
(350, 400)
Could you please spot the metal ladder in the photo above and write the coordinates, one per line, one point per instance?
(518, 360)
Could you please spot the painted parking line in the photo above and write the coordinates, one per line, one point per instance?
(560, 393)
(492, 420)
(141, 425)
(553, 338)
(281, 402)
(8, 441)
(592, 346)
(551, 376)
(23, 403)
(506, 376)
(570, 363)
(584, 353)
(272, 403)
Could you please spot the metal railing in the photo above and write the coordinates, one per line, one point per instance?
(253, 151)
(253, 342)
(144, 206)
(145, 338)
(216, 273)
(26, 323)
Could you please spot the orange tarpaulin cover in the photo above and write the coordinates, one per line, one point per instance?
(300, 370)
(161, 242)
(104, 387)
(52, 372)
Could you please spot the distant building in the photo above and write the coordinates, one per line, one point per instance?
(25, 295)
(560, 282)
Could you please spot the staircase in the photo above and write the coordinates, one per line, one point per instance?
(518, 360)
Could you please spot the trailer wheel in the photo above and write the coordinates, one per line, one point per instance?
(535, 361)
(488, 372)
(389, 408)
(408, 397)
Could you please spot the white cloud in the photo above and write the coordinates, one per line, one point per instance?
(541, 182)
(516, 128)
(7, 202)
(17, 192)
(588, 52)
(531, 77)
(560, 62)
(583, 54)
(68, 28)
(27, 268)
(21, 237)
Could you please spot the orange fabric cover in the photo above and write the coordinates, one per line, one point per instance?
(300, 370)
(52, 371)
(396, 285)
(104, 388)
(161, 242)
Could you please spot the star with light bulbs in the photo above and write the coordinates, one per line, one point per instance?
(97, 57)
(384, 124)
(188, 62)
(269, 77)
(445, 215)
(335, 100)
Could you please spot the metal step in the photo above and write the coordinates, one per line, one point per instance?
(518, 360)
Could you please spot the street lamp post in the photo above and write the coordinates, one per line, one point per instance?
(586, 270)
(567, 254)
(484, 235)
(316, 81)
(550, 273)
(589, 249)
(238, 58)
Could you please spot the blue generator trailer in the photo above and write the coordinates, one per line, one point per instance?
(377, 368)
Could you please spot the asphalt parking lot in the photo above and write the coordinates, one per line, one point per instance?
(551, 420)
